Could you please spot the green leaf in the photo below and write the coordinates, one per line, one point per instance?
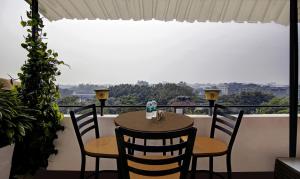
(21, 130)
(10, 133)
(23, 23)
(28, 13)
(24, 45)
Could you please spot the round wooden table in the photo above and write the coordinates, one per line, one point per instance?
(137, 121)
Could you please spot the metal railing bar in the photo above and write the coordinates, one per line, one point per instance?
(169, 106)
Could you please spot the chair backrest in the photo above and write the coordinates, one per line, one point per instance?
(84, 119)
(181, 161)
(224, 121)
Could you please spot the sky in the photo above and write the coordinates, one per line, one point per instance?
(115, 51)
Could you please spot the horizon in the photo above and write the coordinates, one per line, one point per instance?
(164, 82)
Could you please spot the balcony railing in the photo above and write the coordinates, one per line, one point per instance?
(182, 106)
(261, 139)
(173, 108)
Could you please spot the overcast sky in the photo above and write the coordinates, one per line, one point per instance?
(113, 52)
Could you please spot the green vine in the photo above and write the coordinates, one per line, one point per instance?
(39, 92)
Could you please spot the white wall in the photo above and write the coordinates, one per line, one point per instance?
(260, 140)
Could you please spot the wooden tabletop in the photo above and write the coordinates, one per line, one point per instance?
(137, 121)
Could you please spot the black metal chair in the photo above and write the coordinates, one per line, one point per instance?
(212, 147)
(140, 166)
(84, 120)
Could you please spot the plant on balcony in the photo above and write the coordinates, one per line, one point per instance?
(14, 124)
(39, 92)
(15, 120)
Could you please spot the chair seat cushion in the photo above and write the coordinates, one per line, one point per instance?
(153, 167)
(206, 146)
(102, 147)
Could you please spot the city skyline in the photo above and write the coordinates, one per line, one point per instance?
(164, 82)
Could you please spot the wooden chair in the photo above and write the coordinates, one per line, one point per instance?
(139, 166)
(98, 147)
(212, 147)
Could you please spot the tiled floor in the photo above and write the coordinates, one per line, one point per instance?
(113, 175)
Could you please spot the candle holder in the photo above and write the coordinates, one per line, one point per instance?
(211, 95)
(102, 95)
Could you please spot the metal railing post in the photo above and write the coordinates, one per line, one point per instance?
(293, 78)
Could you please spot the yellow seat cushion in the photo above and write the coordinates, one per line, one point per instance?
(153, 167)
(206, 146)
(102, 147)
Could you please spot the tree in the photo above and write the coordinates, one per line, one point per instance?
(246, 98)
(65, 92)
(68, 100)
(277, 110)
(162, 93)
(128, 100)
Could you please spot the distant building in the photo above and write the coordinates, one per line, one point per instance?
(245, 89)
(201, 92)
(84, 97)
(224, 89)
(280, 91)
(142, 83)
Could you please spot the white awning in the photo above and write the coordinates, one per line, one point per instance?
(263, 11)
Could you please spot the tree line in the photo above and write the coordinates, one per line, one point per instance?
(167, 93)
